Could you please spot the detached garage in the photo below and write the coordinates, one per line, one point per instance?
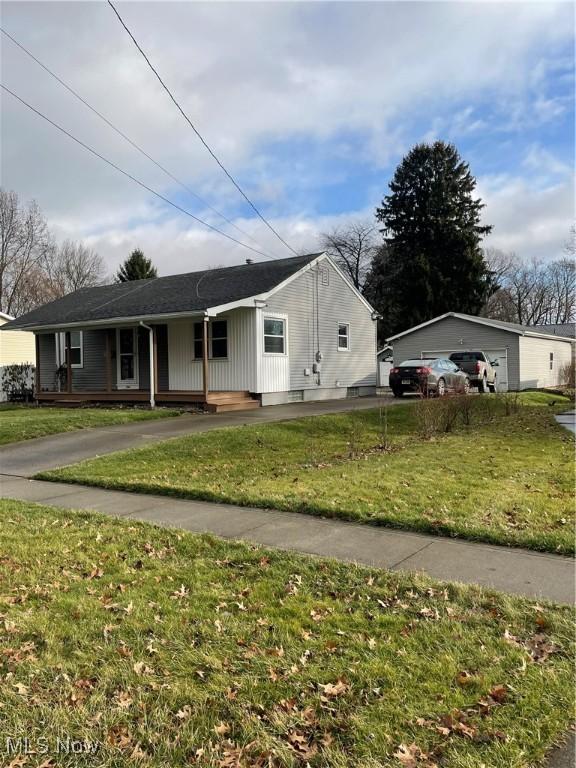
(528, 357)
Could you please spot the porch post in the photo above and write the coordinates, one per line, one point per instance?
(205, 358)
(108, 360)
(155, 343)
(68, 363)
(152, 365)
(37, 368)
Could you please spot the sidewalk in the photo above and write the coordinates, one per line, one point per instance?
(521, 572)
(567, 420)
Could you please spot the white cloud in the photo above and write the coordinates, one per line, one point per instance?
(255, 74)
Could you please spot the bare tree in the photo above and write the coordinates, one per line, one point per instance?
(352, 247)
(33, 270)
(73, 266)
(531, 292)
(25, 244)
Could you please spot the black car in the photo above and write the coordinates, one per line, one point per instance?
(430, 376)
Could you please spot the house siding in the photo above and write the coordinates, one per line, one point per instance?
(535, 370)
(315, 304)
(237, 372)
(17, 347)
(163, 382)
(453, 333)
(47, 361)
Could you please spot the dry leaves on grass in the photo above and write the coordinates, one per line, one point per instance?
(411, 756)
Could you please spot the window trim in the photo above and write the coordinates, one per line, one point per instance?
(284, 320)
(342, 336)
(210, 339)
(61, 347)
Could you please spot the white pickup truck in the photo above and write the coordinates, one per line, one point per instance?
(479, 368)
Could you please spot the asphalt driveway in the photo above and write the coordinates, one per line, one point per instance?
(27, 458)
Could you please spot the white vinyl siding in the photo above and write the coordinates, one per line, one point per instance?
(542, 362)
(235, 372)
(273, 368)
(315, 306)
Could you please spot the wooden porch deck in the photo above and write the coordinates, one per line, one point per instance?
(216, 402)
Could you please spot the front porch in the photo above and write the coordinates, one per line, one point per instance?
(160, 364)
(215, 402)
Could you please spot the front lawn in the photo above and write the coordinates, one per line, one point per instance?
(506, 479)
(170, 649)
(20, 422)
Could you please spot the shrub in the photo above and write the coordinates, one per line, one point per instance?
(568, 374)
(18, 382)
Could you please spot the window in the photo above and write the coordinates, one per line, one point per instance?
(76, 349)
(198, 341)
(274, 336)
(325, 276)
(551, 361)
(343, 337)
(217, 336)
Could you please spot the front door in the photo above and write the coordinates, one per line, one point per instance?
(127, 358)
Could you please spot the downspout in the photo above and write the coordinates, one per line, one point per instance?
(152, 366)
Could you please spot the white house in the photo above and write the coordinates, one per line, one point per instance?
(253, 334)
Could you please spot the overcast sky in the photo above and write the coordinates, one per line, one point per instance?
(311, 105)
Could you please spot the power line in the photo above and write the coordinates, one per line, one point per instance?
(125, 137)
(133, 178)
(198, 134)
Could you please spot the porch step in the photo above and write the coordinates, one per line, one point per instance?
(244, 404)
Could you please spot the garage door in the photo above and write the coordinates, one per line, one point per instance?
(494, 355)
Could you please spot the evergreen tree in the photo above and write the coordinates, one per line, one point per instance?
(432, 261)
(136, 267)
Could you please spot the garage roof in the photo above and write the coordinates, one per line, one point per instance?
(521, 330)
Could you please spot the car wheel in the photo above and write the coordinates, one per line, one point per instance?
(482, 386)
(441, 388)
(397, 392)
(466, 386)
(492, 387)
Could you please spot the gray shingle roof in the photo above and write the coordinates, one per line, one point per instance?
(558, 329)
(191, 292)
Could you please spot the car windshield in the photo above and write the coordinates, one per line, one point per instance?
(416, 363)
(466, 357)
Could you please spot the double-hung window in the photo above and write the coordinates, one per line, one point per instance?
(343, 337)
(274, 336)
(217, 340)
(551, 361)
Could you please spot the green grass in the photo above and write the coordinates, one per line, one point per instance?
(508, 480)
(172, 649)
(20, 422)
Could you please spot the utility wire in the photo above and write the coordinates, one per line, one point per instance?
(133, 178)
(199, 135)
(125, 137)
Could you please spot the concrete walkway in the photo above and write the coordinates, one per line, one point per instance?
(567, 420)
(29, 457)
(517, 571)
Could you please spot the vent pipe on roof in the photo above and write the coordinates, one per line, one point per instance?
(249, 261)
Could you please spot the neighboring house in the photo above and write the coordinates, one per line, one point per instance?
(528, 356)
(15, 347)
(267, 332)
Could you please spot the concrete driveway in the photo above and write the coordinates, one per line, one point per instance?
(27, 458)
